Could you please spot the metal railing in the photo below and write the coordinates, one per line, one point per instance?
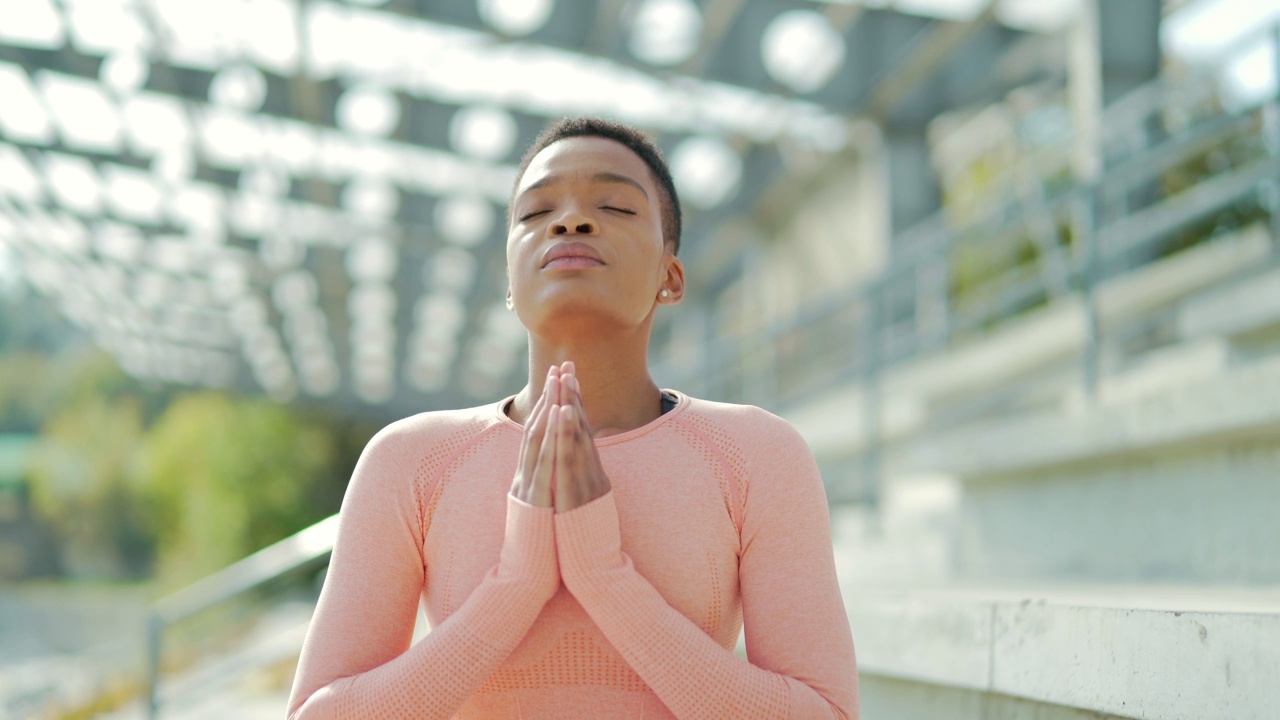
(1099, 230)
(292, 553)
(1174, 161)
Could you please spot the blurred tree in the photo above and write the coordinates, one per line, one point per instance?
(80, 484)
(223, 477)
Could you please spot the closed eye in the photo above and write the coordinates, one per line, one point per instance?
(533, 214)
(618, 209)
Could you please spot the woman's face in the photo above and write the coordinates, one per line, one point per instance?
(585, 240)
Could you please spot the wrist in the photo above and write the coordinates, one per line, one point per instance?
(528, 546)
(588, 539)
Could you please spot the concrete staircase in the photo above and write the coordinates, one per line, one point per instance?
(1042, 553)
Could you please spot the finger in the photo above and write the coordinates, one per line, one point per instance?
(567, 490)
(542, 492)
(535, 431)
(528, 429)
(554, 383)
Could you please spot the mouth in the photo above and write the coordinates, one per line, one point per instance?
(571, 256)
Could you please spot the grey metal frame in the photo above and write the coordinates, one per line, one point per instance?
(809, 344)
(810, 352)
(294, 552)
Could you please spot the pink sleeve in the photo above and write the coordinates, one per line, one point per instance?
(801, 662)
(357, 661)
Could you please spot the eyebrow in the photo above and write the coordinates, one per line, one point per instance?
(600, 177)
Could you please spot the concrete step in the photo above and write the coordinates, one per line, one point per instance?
(1168, 652)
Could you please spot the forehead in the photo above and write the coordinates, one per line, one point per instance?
(584, 157)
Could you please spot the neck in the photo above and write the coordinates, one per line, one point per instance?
(612, 369)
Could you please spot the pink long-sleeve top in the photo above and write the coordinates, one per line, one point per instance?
(626, 607)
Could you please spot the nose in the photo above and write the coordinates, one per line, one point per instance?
(573, 222)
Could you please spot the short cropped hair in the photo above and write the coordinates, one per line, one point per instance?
(635, 141)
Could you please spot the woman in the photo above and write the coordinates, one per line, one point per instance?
(591, 547)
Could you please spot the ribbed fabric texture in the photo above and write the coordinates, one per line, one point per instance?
(626, 607)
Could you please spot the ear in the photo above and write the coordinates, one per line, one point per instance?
(672, 282)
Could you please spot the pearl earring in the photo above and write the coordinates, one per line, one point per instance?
(665, 293)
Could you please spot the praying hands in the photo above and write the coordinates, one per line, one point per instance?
(558, 464)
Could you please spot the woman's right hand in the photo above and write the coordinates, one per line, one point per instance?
(534, 469)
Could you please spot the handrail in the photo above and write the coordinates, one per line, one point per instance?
(291, 553)
(1104, 239)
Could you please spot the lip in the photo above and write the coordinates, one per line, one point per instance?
(571, 256)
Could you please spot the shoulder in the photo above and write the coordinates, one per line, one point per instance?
(755, 432)
(411, 441)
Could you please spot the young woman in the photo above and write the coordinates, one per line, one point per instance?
(592, 546)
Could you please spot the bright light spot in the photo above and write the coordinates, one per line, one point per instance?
(156, 122)
(280, 252)
(229, 279)
(515, 17)
(1225, 31)
(82, 111)
(239, 87)
(945, 9)
(33, 23)
(1037, 15)
(439, 314)
(152, 289)
(230, 139)
(1202, 30)
(174, 166)
(372, 301)
(124, 71)
(464, 221)
(706, 170)
(73, 182)
(171, 253)
(22, 114)
(247, 316)
(293, 290)
(199, 206)
(368, 110)
(264, 182)
(801, 50)
(371, 198)
(483, 131)
(665, 32)
(451, 269)
(1251, 76)
(305, 324)
(373, 259)
(133, 194)
(98, 28)
(63, 232)
(119, 242)
(266, 31)
(17, 178)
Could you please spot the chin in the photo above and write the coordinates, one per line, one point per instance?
(584, 310)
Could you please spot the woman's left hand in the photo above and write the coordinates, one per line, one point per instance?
(579, 477)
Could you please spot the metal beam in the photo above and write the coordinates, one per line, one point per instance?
(922, 60)
(716, 21)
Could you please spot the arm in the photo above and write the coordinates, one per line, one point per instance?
(801, 662)
(357, 661)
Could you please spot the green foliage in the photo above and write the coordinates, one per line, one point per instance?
(221, 478)
(81, 485)
(135, 481)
